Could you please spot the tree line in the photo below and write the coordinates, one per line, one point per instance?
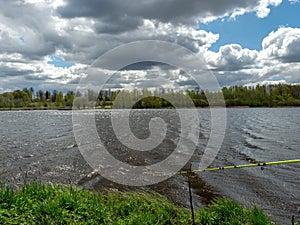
(278, 95)
(28, 98)
(263, 95)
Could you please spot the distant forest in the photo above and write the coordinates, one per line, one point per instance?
(279, 95)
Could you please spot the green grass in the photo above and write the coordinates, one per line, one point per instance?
(224, 211)
(54, 204)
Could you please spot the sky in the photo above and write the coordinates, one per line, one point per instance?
(50, 44)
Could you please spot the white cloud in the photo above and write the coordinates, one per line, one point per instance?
(181, 34)
(231, 58)
(277, 62)
(19, 72)
(253, 84)
(263, 9)
(289, 72)
(282, 45)
(294, 1)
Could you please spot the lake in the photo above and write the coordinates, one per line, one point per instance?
(41, 145)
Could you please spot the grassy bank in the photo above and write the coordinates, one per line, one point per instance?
(54, 204)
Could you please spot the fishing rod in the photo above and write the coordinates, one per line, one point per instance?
(261, 164)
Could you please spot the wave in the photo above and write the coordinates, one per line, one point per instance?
(250, 133)
(253, 146)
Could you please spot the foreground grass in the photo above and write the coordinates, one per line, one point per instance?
(54, 204)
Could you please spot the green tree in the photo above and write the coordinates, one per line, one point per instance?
(59, 99)
(69, 98)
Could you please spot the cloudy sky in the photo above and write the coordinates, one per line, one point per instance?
(49, 44)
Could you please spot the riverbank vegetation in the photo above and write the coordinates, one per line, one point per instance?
(54, 204)
(279, 95)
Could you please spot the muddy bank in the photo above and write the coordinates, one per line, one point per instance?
(175, 188)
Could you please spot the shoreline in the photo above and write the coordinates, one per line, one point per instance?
(107, 108)
(175, 188)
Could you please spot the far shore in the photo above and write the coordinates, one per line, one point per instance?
(107, 107)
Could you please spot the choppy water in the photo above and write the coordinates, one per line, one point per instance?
(42, 144)
(255, 135)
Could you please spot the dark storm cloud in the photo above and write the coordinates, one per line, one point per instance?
(28, 30)
(176, 11)
(12, 72)
(117, 24)
(236, 78)
(188, 83)
(146, 65)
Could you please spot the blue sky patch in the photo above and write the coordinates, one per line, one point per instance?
(59, 62)
(21, 39)
(249, 31)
